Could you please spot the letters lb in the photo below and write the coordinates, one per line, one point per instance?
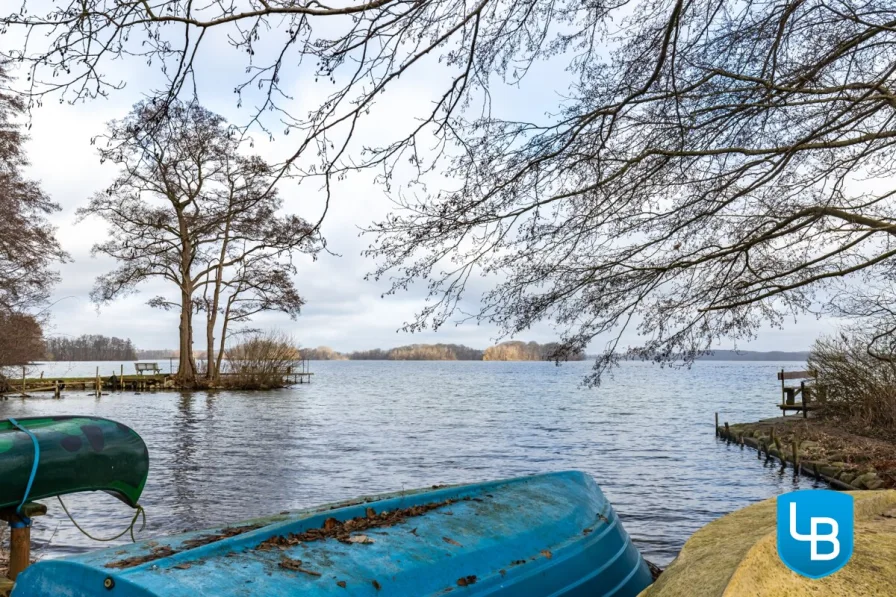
(815, 531)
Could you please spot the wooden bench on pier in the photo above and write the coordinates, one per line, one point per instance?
(804, 390)
(147, 368)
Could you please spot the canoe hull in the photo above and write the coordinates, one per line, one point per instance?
(542, 535)
(76, 454)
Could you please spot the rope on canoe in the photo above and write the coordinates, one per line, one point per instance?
(130, 528)
(25, 521)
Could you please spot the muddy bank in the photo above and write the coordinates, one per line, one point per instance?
(820, 448)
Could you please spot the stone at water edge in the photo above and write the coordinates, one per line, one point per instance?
(863, 481)
(736, 555)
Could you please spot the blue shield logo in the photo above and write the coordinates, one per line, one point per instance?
(815, 531)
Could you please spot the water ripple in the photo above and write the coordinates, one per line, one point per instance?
(364, 427)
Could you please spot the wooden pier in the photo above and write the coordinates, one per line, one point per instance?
(96, 383)
(118, 381)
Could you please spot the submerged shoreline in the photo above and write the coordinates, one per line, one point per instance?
(819, 448)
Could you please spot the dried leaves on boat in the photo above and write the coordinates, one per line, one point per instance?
(157, 553)
(342, 531)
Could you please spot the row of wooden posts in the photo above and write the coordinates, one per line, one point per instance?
(811, 468)
(794, 444)
(97, 383)
(57, 391)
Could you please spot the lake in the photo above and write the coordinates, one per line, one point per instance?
(363, 427)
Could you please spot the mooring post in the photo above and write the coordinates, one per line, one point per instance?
(23, 383)
(56, 388)
(20, 536)
(727, 432)
(805, 401)
(717, 425)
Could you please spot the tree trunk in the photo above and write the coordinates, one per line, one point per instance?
(186, 365)
(211, 369)
(224, 332)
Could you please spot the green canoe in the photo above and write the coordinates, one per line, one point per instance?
(76, 454)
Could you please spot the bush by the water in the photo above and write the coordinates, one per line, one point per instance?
(853, 383)
(260, 362)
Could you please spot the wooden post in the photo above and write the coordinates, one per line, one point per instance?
(803, 394)
(796, 454)
(96, 382)
(717, 425)
(23, 383)
(19, 551)
(20, 537)
(56, 389)
(782, 389)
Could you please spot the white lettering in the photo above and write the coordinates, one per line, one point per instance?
(814, 537)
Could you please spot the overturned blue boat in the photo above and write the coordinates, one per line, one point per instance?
(552, 534)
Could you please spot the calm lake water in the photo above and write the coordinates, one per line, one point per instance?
(363, 427)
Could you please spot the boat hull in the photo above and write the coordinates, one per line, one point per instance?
(76, 454)
(552, 534)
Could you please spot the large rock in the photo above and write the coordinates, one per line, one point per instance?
(736, 555)
(830, 471)
(862, 481)
(847, 477)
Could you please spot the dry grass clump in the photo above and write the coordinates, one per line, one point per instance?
(260, 362)
(854, 385)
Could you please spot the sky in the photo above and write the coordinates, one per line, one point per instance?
(342, 310)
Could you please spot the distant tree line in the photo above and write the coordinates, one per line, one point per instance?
(529, 351)
(419, 352)
(90, 347)
(323, 353)
(156, 354)
(507, 351)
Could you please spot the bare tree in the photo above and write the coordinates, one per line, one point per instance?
(188, 208)
(714, 166)
(871, 307)
(259, 283)
(23, 340)
(28, 246)
(249, 268)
